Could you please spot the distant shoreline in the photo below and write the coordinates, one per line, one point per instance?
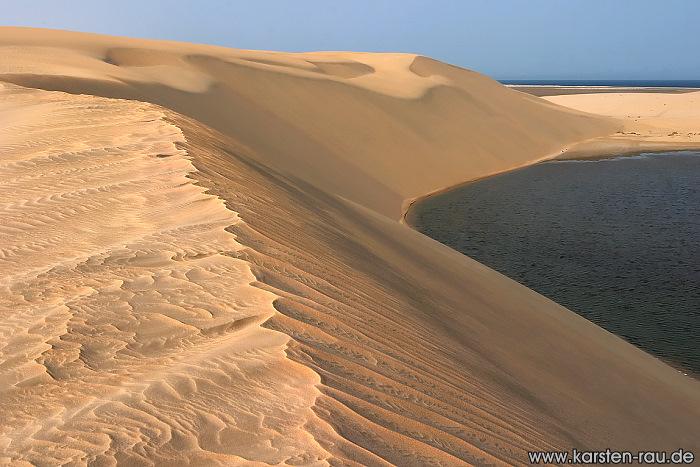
(558, 90)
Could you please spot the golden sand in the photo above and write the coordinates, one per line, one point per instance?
(213, 272)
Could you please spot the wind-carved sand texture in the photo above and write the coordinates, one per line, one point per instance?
(220, 279)
(130, 331)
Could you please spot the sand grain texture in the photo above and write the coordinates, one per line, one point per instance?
(212, 272)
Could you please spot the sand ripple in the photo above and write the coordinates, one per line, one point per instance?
(130, 332)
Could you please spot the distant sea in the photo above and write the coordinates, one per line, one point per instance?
(689, 83)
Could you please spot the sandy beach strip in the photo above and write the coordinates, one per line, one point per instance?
(548, 90)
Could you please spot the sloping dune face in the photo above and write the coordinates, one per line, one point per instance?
(377, 129)
(426, 357)
(221, 279)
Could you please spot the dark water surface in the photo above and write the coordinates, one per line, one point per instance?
(615, 240)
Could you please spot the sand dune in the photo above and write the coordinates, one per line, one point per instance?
(212, 272)
(342, 121)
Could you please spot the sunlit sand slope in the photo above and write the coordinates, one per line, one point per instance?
(129, 330)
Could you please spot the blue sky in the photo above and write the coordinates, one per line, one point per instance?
(507, 39)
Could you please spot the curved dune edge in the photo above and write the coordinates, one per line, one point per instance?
(382, 346)
(376, 139)
(417, 364)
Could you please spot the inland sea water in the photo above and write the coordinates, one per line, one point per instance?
(614, 240)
